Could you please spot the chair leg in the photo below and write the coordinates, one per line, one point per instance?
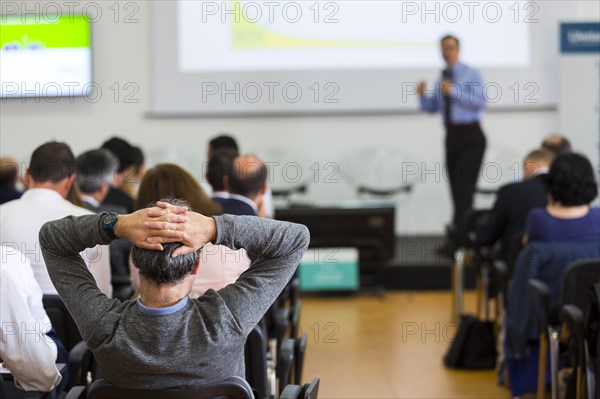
(541, 382)
(554, 353)
(457, 285)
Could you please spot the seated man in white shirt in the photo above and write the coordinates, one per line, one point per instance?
(26, 348)
(50, 175)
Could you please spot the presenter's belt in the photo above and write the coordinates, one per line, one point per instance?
(462, 125)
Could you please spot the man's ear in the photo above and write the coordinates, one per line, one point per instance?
(226, 182)
(263, 189)
(196, 267)
(27, 180)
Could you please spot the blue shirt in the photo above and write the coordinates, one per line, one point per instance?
(542, 226)
(466, 94)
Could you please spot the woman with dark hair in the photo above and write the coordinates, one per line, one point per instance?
(170, 180)
(568, 217)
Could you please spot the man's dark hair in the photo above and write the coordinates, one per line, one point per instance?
(95, 167)
(557, 144)
(159, 266)
(122, 150)
(219, 166)
(51, 162)
(8, 173)
(137, 156)
(571, 181)
(451, 37)
(247, 180)
(223, 142)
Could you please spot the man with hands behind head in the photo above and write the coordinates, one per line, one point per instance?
(165, 339)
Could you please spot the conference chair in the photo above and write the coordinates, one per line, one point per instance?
(545, 277)
(230, 388)
(577, 281)
(81, 360)
(62, 322)
(572, 317)
(260, 370)
(306, 391)
(299, 354)
(311, 391)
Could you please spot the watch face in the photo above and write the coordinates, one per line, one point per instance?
(109, 221)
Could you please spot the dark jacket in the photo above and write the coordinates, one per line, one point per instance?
(546, 262)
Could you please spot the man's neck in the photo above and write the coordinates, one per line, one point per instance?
(50, 186)
(162, 296)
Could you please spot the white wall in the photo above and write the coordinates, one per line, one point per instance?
(122, 55)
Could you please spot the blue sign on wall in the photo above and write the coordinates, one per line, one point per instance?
(580, 37)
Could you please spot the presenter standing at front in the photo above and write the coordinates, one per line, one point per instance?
(459, 96)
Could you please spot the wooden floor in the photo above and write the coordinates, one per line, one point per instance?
(390, 347)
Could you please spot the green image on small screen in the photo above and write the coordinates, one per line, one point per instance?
(35, 32)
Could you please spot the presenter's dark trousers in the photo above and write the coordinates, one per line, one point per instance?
(465, 145)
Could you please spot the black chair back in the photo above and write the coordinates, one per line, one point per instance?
(299, 353)
(231, 388)
(579, 278)
(255, 353)
(62, 322)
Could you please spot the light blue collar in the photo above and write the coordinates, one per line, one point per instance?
(162, 311)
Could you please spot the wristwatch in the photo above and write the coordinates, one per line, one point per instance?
(108, 222)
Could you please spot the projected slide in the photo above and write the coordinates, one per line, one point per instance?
(283, 35)
(45, 56)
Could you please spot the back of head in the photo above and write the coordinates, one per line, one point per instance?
(51, 162)
(170, 180)
(160, 267)
(221, 142)
(571, 180)
(9, 172)
(122, 150)
(248, 176)
(536, 161)
(219, 166)
(94, 168)
(556, 144)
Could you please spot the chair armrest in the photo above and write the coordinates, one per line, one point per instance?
(540, 299)
(80, 362)
(78, 392)
(290, 392)
(38, 395)
(573, 317)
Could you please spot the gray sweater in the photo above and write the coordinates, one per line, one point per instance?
(203, 341)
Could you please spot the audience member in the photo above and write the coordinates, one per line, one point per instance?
(217, 172)
(28, 348)
(568, 217)
(49, 179)
(247, 184)
(9, 177)
(222, 142)
(124, 153)
(136, 173)
(219, 265)
(95, 171)
(225, 142)
(556, 144)
(94, 175)
(170, 340)
(513, 203)
(168, 180)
